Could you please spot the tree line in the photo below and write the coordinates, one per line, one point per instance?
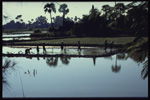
(119, 20)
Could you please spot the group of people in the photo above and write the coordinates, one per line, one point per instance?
(44, 49)
(27, 51)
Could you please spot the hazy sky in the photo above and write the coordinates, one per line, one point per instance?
(32, 10)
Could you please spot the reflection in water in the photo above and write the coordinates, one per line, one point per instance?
(138, 51)
(7, 68)
(28, 72)
(140, 57)
(94, 60)
(52, 61)
(121, 56)
(38, 58)
(92, 79)
(116, 68)
(65, 59)
(7, 64)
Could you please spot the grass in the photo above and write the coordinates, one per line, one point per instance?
(84, 40)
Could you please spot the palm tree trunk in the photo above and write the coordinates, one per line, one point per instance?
(63, 23)
(51, 20)
(52, 23)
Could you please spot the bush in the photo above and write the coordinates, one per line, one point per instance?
(38, 31)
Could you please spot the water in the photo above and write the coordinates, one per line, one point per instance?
(75, 77)
(56, 50)
(18, 35)
(6, 39)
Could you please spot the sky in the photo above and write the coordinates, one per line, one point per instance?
(32, 10)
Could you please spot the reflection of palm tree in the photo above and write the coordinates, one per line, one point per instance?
(52, 62)
(65, 60)
(116, 68)
(94, 60)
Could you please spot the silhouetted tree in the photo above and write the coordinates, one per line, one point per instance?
(50, 7)
(63, 8)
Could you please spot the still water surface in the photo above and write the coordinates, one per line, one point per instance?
(75, 77)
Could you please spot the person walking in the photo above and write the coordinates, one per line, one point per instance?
(79, 48)
(44, 49)
(62, 46)
(105, 44)
(37, 49)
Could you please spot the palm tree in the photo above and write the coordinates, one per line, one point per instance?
(50, 8)
(106, 9)
(63, 8)
(94, 13)
(19, 20)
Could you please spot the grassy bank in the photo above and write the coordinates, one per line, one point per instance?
(84, 40)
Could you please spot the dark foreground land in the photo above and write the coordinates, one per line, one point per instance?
(84, 41)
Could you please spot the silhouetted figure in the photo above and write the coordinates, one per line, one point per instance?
(105, 44)
(79, 48)
(62, 46)
(111, 44)
(44, 49)
(37, 49)
(27, 51)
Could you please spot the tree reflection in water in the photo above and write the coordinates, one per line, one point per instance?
(138, 51)
(140, 57)
(52, 61)
(65, 59)
(116, 68)
(7, 68)
(94, 60)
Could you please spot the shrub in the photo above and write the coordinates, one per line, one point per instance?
(37, 31)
